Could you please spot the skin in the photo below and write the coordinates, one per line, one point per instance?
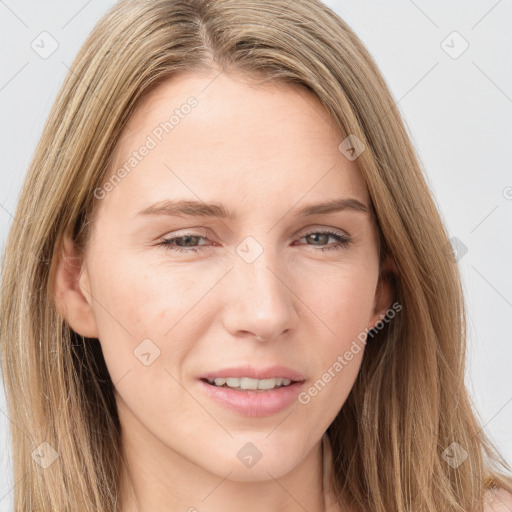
(262, 151)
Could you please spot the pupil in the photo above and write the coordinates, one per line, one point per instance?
(319, 235)
(183, 241)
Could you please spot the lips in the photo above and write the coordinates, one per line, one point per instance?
(271, 372)
(253, 403)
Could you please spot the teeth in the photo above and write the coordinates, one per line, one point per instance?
(250, 384)
(246, 383)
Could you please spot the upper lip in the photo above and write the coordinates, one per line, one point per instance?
(269, 372)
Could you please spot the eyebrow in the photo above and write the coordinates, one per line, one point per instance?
(180, 208)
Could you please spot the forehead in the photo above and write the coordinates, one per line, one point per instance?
(223, 138)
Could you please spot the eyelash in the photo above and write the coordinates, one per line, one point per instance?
(343, 241)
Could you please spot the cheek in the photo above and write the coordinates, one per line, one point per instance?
(142, 311)
(148, 322)
(343, 300)
(344, 304)
(142, 291)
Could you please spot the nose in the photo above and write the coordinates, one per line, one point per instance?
(260, 302)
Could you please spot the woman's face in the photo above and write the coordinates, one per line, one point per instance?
(273, 289)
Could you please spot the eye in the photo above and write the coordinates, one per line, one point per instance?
(342, 241)
(188, 241)
(183, 242)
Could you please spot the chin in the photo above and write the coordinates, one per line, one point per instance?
(260, 472)
(257, 456)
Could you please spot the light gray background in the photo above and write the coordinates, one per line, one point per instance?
(458, 112)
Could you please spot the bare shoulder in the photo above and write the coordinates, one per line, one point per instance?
(498, 500)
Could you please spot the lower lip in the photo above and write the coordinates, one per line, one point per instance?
(254, 404)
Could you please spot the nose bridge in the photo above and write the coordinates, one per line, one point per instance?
(261, 302)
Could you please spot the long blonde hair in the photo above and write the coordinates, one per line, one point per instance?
(409, 402)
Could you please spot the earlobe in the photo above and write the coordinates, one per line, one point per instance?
(72, 290)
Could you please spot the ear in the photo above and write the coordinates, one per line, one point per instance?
(384, 291)
(72, 290)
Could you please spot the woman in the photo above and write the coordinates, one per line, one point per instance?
(229, 287)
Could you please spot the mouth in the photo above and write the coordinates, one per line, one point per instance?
(251, 397)
(253, 393)
(249, 384)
